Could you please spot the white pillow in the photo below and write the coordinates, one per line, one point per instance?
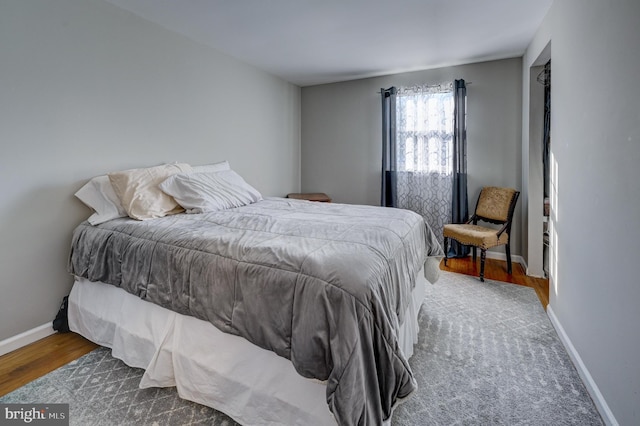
(98, 195)
(207, 192)
(212, 168)
(139, 193)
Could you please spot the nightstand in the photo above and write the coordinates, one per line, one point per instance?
(311, 196)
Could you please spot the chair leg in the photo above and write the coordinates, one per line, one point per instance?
(446, 250)
(473, 250)
(483, 256)
(508, 251)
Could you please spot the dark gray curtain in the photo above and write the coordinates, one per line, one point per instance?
(460, 203)
(388, 194)
(546, 142)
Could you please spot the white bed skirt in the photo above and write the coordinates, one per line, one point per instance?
(226, 372)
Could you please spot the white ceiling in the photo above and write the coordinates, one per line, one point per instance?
(311, 42)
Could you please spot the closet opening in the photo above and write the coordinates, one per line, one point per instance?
(539, 170)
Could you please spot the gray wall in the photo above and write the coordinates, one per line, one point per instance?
(595, 128)
(87, 88)
(341, 132)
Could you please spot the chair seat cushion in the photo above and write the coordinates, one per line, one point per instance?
(475, 235)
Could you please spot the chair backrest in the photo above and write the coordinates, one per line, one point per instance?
(496, 205)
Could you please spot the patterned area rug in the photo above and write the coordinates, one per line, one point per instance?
(487, 355)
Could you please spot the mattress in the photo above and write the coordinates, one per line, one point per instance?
(252, 385)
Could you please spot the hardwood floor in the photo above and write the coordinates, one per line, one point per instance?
(497, 270)
(23, 365)
(26, 364)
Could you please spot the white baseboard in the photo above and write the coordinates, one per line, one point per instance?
(23, 339)
(592, 388)
(502, 256)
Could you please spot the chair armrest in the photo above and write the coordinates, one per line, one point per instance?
(504, 228)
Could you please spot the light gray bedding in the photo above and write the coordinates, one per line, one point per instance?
(324, 285)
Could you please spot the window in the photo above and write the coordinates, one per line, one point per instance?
(424, 131)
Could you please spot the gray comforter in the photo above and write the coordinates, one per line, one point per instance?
(324, 285)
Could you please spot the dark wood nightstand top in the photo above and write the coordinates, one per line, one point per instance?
(310, 196)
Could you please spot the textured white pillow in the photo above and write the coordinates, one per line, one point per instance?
(139, 193)
(207, 192)
(98, 195)
(212, 168)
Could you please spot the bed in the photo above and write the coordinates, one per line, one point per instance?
(273, 311)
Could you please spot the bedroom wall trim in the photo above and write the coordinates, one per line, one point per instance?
(502, 256)
(592, 388)
(26, 338)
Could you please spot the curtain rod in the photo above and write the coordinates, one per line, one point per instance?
(467, 83)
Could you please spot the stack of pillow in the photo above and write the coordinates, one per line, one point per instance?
(159, 191)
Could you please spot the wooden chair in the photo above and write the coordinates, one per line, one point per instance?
(495, 205)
